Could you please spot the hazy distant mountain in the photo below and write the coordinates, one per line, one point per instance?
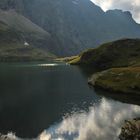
(75, 25)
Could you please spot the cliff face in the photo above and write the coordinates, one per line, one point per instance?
(79, 24)
(75, 25)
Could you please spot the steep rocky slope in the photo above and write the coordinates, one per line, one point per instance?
(75, 25)
(20, 39)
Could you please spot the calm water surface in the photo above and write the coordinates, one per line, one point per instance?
(56, 98)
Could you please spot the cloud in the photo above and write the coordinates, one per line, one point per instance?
(127, 5)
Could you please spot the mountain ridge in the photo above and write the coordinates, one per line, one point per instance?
(75, 25)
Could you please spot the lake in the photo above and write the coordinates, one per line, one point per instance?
(52, 101)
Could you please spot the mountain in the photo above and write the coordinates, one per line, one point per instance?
(120, 53)
(20, 38)
(75, 25)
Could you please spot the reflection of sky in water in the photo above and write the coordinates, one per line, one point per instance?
(87, 116)
(48, 65)
(36, 97)
(102, 122)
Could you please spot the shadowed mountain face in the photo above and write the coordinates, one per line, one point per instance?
(21, 39)
(75, 25)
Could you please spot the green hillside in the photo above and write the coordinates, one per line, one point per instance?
(20, 39)
(19, 52)
(126, 80)
(119, 53)
(120, 61)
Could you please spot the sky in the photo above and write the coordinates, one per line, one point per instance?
(127, 5)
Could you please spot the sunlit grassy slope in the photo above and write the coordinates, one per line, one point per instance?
(125, 80)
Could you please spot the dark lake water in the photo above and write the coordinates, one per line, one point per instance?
(56, 99)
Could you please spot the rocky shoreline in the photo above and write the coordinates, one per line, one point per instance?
(130, 130)
(9, 136)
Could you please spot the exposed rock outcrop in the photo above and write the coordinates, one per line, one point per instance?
(130, 130)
